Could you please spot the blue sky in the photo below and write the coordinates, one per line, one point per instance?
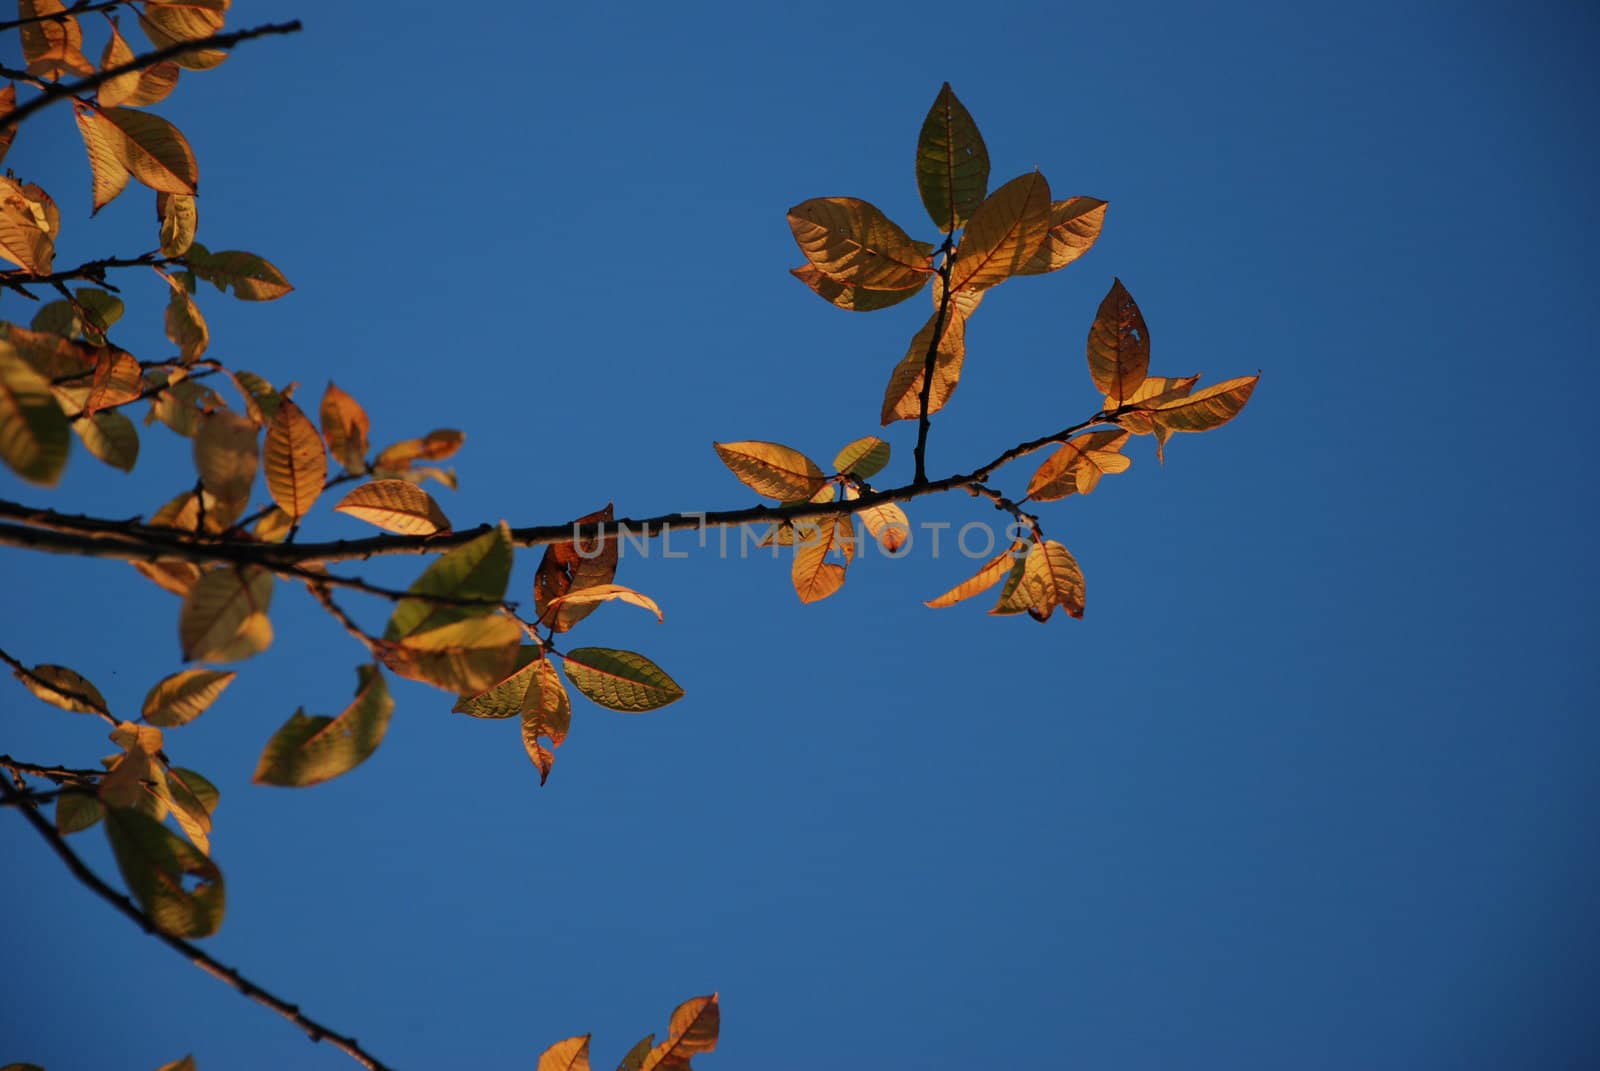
(1307, 787)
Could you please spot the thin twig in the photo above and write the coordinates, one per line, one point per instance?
(93, 271)
(319, 591)
(61, 91)
(61, 775)
(82, 7)
(314, 1030)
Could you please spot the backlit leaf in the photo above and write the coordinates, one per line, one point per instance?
(772, 470)
(599, 593)
(252, 278)
(636, 1055)
(435, 446)
(1119, 345)
(188, 809)
(77, 811)
(170, 22)
(852, 241)
(64, 688)
(310, 750)
(1210, 408)
(1050, 578)
(1078, 464)
(1074, 225)
(546, 715)
(569, 1055)
(902, 398)
(888, 524)
(693, 1030)
(850, 297)
(463, 657)
(574, 565)
(261, 401)
(863, 458)
(505, 698)
(993, 571)
(184, 696)
(154, 150)
(952, 162)
(395, 506)
(29, 223)
(150, 85)
(1004, 233)
(52, 47)
(813, 576)
(477, 570)
(8, 104)
(180, 218)
(1155, 390)
(101, 139)
(620, 680)
(33, 431)
(274, 526)
(117, 378)
(174, 575)
(296, 464)
(345, 426)
(136, 778)
(177, 886)
(185, 326)
(218, 608)
(226, 456)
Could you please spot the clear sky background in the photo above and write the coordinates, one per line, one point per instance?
(1310, 786)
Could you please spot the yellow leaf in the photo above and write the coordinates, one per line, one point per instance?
(850, 297)
(345, 426)
(29, 223)
(692, 1031)
(464, 656)
(814, 577)
(1074, 225)
(1155, 390)
(52, 47)
(101, 138)
(856, 244)
(226, 456)
(33, 430)
(1119, 345)
(964, 301)
(1004, 233)
(185, 326)
(435, 446)
(605, 593)
(902, 398)
(274, 526)
(993, 571)
(182, 697)
(772, 470)
(620, 680)
(180, 890)
(395, 506)
(888, 524)
(176, 576)
(569, 1055)
(1211, 408)
(952, 162)
(218, 609)
(154, 150)
(310, 750)
(1050, 578)
(64, 688)
(1078, 464)
(150, 85)
(169, 22)
(111, 437)
(296, 463)
(863, 458)
(180, 218)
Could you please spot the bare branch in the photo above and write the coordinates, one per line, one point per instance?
(314, 1030)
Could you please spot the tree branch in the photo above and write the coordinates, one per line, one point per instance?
(60, 91)
(93, 271)
(919, 452)
(82, 7)
(314, 1030)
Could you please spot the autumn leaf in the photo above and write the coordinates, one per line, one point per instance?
(222, 609)
(772, 470)
(186, 328)
(994, 570)
(599, 593)
(863, 458)
(395, 506)
(435, 446)
(475, 574)
(251, 278)
(180, 218)
(814, 577)
(1074, 225)
(310, 750)
(226, 456)
(101, 139)
(1004, 233)
(154, 150)
(110, 437)
(692, 1031)
(952, 163)
(856, 244)
(1119, 345)
(1210, 408)
(64, 688)
(260, 399)
(178, 888)
(77, 811)
(345, 427)
(850, 297)
(170, 22)
(1076, 467)
(8, 104)
(117, 380)
(546, 715)
(296, 465)
(149, 85)
(569, 1055)
(902, 398)
(888, 524)
(29, 223)
(1050, 578)
(184, 696)
(33, 430)
(574, 565)
(620, 680)
(464, 656)
(51, 47)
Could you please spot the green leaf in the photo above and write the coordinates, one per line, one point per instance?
(636, 1055)
(77, 811)
(504, 699)
(620, 680)
(310, 750)
(252, 278)
(464, 657)
(952, 163)
(174, 883)
(183, 697)
(863, 458)
(33, 430)
(110, 437)
(480, 569)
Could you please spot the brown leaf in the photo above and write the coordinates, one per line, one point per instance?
(692, 1031)
(296, 463)
(1004, 233)
(1074, 225)
(852, 241)
(1078, 464)
(345, 426)
(29, 223)
(1210, 408)
(574, 565)
(150, 85)
(169, 22)
(993, 571)
(52, 47)
(1119, 345)
(853, 298)
(101, 138)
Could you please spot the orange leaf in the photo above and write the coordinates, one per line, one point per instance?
(852, 241)
(395, 506)
(1074, 225)
(902, 398)
(1004, 233)
(296, 463)
(1119, 345)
